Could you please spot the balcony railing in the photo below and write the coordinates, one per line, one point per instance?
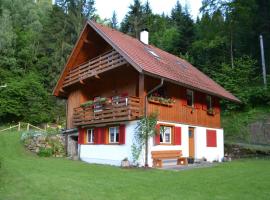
(93, 67)
(116, 110)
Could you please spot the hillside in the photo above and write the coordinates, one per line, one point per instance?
(252, 126)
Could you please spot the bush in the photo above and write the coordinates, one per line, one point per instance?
(31, 134)
(45, 152)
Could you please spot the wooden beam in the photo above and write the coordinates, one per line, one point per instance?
(82, 82)
(86, 41)
(141, 91)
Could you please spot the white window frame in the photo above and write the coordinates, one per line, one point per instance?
(90, 131)
(163, 135)
(116, 131)
(192, 97)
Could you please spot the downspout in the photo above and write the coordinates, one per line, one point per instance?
(151, 91)
(145, 114)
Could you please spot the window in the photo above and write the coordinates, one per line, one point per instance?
(211, 138)
(153, 53)
(165, 134)
(114, 134)
(90, 135)
(190, 98)
(209, 104)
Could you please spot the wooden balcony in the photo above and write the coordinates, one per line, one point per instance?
(93, 67)
(119, 109)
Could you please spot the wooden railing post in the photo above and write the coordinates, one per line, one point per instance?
(19, 126)
(28, 127)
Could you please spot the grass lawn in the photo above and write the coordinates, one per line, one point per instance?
(25, 176)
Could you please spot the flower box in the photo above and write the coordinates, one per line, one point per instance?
(88, 103)
(161, 101)
(211, 112)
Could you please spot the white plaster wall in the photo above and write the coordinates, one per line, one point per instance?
(109, 154)
(114, 154)
(183, 146)
(210, 153)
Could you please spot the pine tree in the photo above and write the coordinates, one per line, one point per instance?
(114, 21)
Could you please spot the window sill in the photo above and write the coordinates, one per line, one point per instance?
(166, 144)
(89, 143)
(113, 143)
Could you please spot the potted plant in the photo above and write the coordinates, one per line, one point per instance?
(125, 162)
(210, 111)
(190, 160)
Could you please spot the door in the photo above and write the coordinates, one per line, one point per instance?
(191, 142)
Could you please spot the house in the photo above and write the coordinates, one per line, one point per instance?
(111, 79)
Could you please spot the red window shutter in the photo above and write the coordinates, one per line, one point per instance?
(197, 100)
(184, 96)
(177, 135)
(204, 105)
(97, 136)
(211, 138)
(103, 135)
(81, 136)
(157, 136)
(122, 134)
(216, 105)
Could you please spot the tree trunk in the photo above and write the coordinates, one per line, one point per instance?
(146, 151)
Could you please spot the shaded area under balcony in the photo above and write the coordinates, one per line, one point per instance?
(105, 110)
(93, 67)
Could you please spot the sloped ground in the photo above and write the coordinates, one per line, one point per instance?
(251, 126)
(24, 176)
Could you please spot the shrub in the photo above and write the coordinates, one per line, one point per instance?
(45, 152)
(31, 134)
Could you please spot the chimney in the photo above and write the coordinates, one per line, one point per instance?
(144, 36)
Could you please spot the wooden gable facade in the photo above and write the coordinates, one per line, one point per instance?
(103, 86)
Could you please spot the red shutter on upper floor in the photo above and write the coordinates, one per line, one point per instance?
(211, 138)
(177, 135)
(216, 105)
(81, 136)
(157, 136)
(204, 102)
(183, 96)
(122, 134)
(197, 100)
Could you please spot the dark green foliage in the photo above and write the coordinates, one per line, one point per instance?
(35, 41)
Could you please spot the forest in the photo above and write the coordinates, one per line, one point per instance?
(36, 38)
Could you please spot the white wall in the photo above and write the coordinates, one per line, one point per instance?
(109, 154)
(210, 153)
(114, 154)
(201, 150)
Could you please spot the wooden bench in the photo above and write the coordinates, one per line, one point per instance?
(158, 156)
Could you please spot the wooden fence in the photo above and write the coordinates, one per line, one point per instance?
(23, 126)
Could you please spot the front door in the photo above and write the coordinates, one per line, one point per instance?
(191, 141)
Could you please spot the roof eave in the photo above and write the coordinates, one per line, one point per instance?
(234, 99)
(118, 49)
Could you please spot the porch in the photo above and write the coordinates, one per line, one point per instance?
(104, 110)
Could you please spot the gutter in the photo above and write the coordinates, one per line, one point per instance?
(150, 92)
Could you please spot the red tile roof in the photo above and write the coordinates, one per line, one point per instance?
(161, 63)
